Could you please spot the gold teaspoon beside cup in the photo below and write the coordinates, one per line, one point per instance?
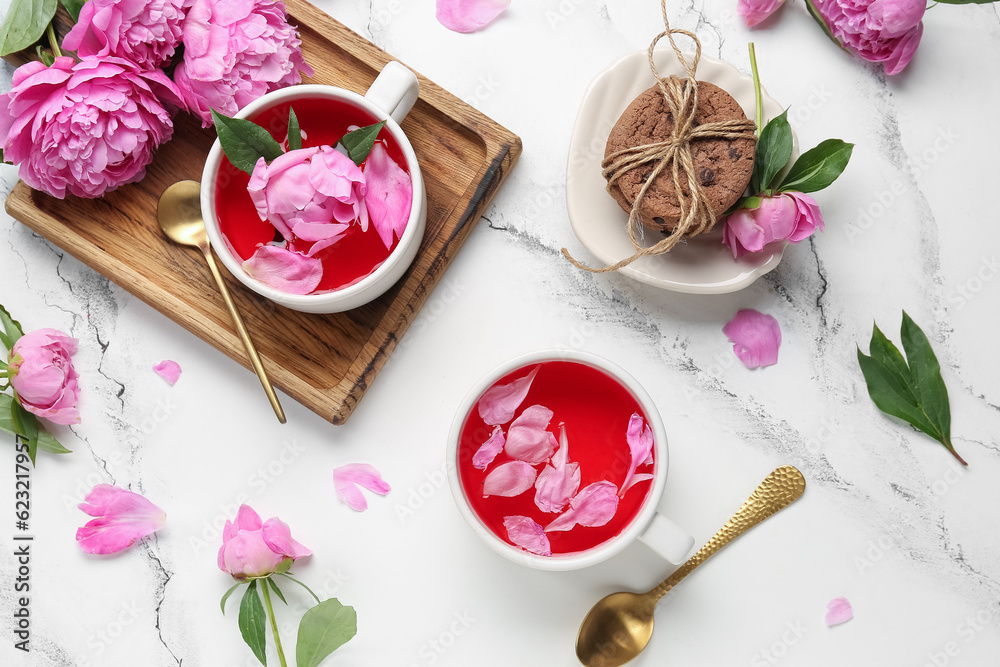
(179, 213)
(619, 626)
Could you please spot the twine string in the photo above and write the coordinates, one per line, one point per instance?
(681, 100)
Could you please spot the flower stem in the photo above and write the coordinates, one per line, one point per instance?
(758, 98)
(53, 42)
(274, 624)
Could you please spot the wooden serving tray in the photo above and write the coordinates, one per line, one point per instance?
(326, 362)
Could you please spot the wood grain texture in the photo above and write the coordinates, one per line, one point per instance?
(326, 362)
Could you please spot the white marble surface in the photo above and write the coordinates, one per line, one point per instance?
(888, 520)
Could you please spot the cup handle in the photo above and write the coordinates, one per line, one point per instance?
(667, 539)
(395, 90)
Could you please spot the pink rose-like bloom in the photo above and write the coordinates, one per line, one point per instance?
(254, 549)
(145, 32)
(43, 376)
(755, 11)
(791, 216)
(312, 194)
(881, 31)
(234, 52)
(85, 128)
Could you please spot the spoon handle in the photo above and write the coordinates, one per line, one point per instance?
(779, 490)
(241, 329)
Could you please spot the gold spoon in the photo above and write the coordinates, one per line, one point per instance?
(179, 213)
(619, 626)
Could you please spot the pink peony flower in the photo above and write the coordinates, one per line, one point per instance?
(254, 549)
(755, 11)
(312, 194)
(87, 127)
(123, 518)
(43, 376)
(788, 215)
(881, 31)
(756, 338)
(469, 15)
(140, 31)
(234, 52)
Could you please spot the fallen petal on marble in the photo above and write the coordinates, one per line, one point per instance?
(527, 438)
(595, 505)
(500, 402)
(469, 15)
(755, 336)
(526, 533)
(559, 480)
(640, 442)
(347, 479)
(123, 518)
(489, 450)
(510, 479)
(284, 270)
(169, 371)
(838, 611)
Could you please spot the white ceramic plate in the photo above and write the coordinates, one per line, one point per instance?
(702, 265)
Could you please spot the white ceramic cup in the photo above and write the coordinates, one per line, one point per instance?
(649, 525)
(390, 98)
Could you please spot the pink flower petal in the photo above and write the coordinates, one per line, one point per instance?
(347, 478)
(389, 194)
(123, 517)
(527, 439)
(488, 451)
(510, 479)
(278, 537)
(284, 269)
(169, 371)
(469, 15)
(756, 338)
(558, 482)
(595, 505)
(838, 611)
(640, 441)
(500, 402)
(526, 533)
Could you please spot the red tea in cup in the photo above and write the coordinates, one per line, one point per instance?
(599, 417)
(323, 122)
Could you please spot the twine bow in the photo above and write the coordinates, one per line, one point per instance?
(681, 101)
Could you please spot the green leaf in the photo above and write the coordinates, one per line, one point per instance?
(294, 131)
(25, 24)
(25, 425)
(48, 443)
(277, 591)
(225, 597)
(73, 7)
(359, 143)
(252, 623)
(911, 389)
(774, 148)
(284, 566)
(11, 329)
(7, 414)
(323, 629)
(244, 142)
(291, 578)
(818, 167)
(45, 56)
